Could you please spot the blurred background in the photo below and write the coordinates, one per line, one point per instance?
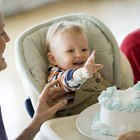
(120, 16)
(17, 6)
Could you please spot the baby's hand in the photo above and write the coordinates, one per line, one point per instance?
(90, 65)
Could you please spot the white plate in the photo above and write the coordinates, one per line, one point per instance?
(84, 123)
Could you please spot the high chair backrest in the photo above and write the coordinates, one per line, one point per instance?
(32, 62)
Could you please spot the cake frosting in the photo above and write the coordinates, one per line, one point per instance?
(119, 111)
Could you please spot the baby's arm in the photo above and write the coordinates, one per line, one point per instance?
(65, 79)
(89, 68)
(70, 80)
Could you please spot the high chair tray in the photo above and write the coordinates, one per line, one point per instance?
(61, 129)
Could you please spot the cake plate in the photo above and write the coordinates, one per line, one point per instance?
(84, 123)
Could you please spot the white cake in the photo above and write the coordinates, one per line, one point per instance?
(119, 112)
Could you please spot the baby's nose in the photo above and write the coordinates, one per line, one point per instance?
(79, 54)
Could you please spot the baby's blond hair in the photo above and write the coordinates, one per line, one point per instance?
(61, 27)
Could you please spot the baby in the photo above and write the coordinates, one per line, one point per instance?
(70, 59)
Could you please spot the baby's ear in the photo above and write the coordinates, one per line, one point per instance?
(51, 58)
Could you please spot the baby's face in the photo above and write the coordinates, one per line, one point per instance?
(70, 51)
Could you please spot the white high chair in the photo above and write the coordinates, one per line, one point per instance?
(32, 63)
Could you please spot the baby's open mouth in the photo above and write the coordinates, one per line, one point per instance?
(79, 62)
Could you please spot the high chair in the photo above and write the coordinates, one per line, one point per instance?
(32, 62)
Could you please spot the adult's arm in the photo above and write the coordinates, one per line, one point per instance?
(44, 111)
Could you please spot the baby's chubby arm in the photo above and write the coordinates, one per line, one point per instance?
(89, 68)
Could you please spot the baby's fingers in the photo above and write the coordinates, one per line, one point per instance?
(93, 54)
(99, 66)
(91, 59)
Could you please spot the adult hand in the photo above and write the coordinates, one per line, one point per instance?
(46, 106)
(44, 111)
(133, 135)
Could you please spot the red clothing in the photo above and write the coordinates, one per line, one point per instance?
(131, 48)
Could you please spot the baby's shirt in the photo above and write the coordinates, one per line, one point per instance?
(65, 78)
(84, 95)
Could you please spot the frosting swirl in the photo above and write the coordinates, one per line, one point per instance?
(121, 100)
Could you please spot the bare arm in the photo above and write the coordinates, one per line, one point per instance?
(43, 112)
